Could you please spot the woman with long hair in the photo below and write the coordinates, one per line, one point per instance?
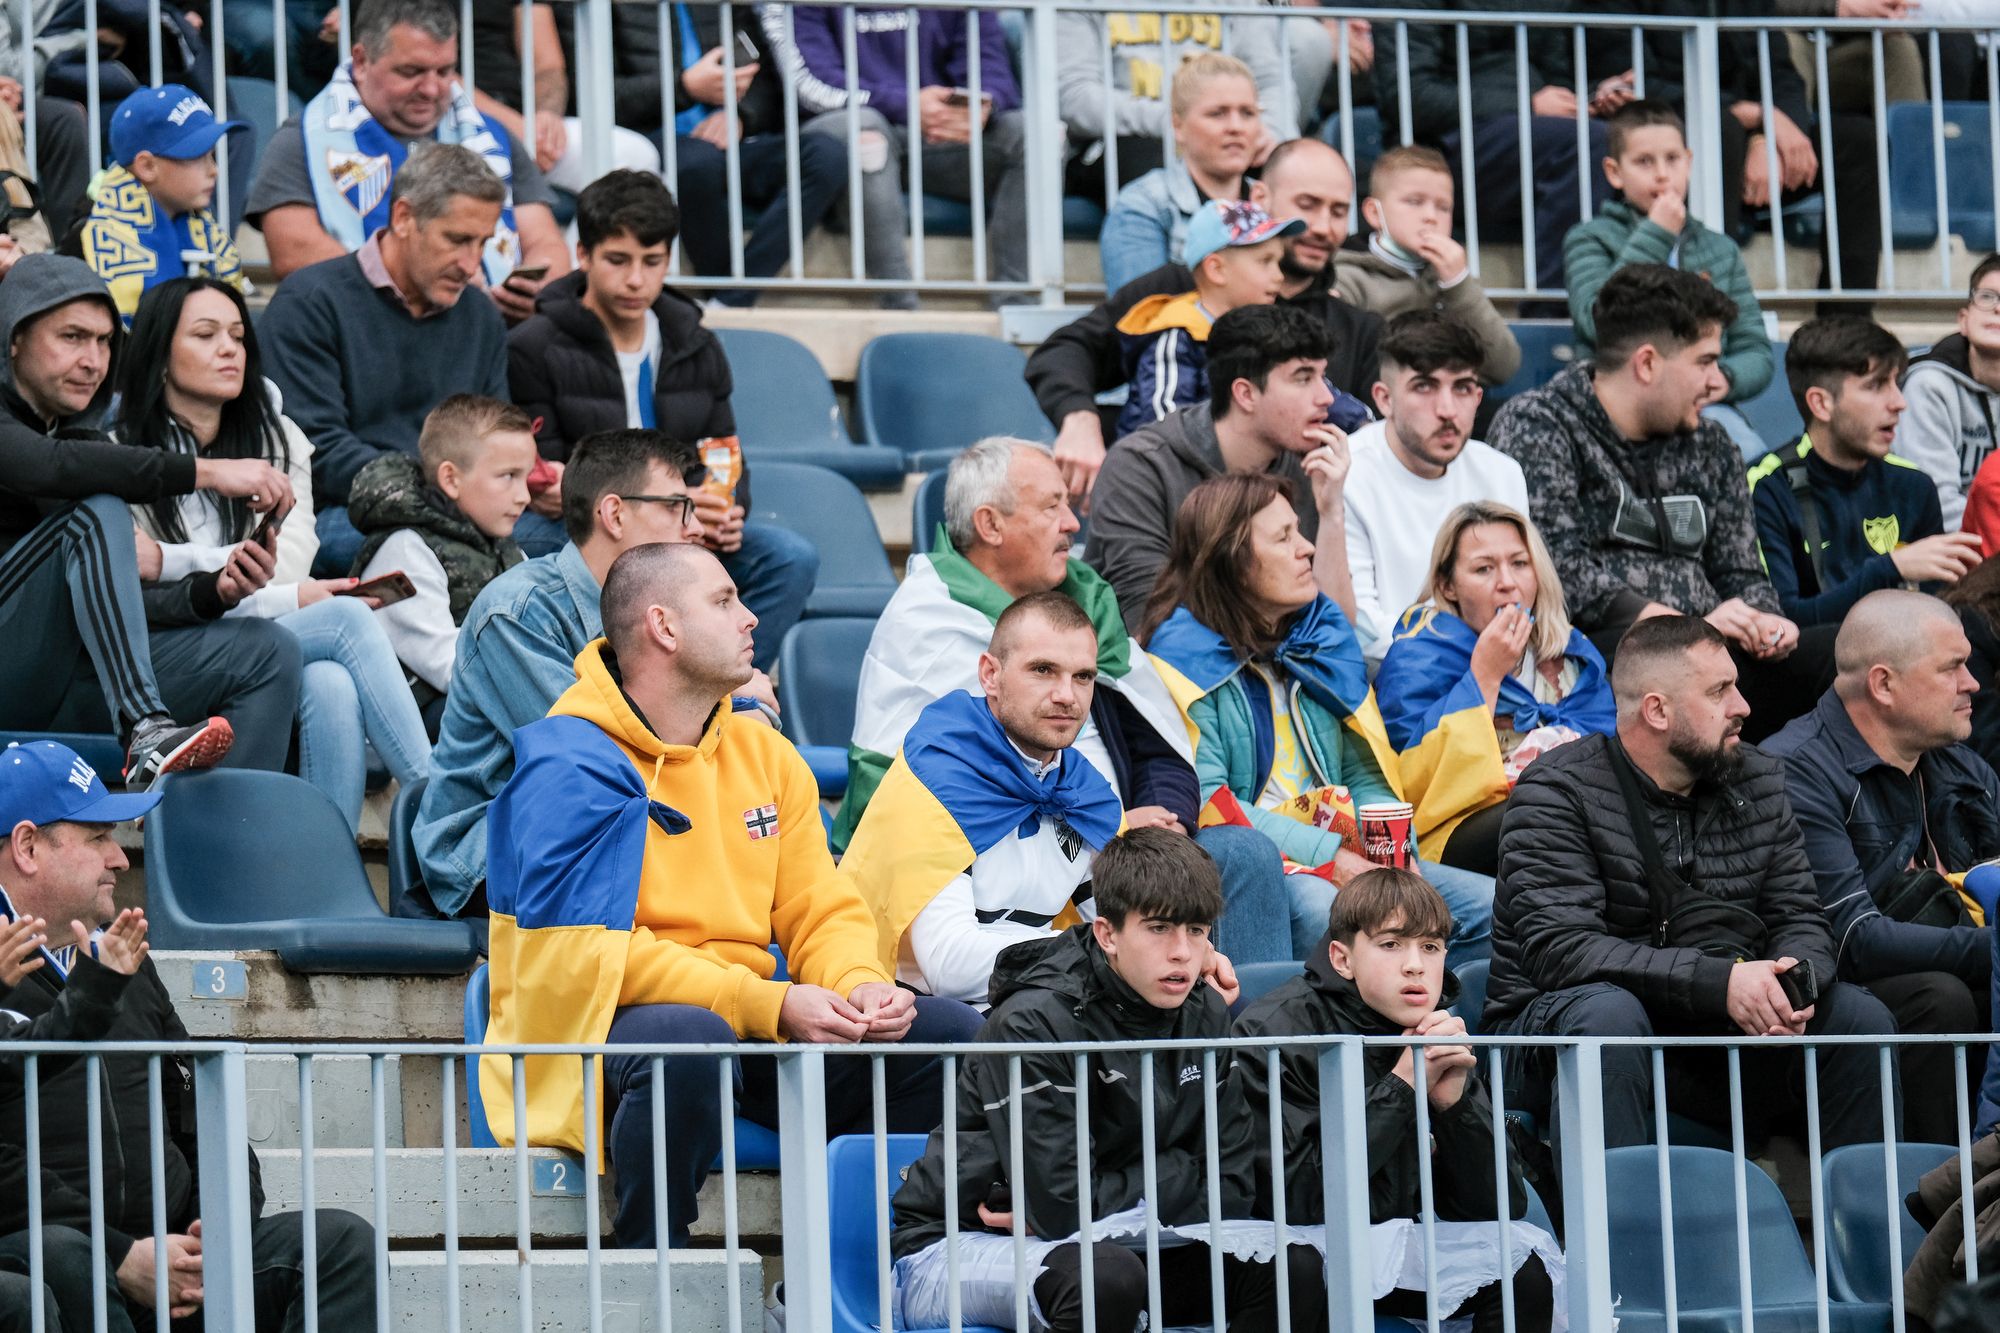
(191, 380)
(1287, 733)
(1485, 674)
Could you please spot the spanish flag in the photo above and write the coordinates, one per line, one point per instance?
(956, 789)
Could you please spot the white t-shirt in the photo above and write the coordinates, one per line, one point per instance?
(1393, 517)
(629, 366)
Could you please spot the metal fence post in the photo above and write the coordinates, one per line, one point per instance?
(1587, 1235)
(1343, 1146)
(1702, 59)
(802, 1180)
(223, 1115)
(1046, 148)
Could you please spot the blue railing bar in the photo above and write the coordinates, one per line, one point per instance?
(448, 1131)
(1086, 1258)
(914, 156)
(1966, 1214)
(1467, 160)
(1818, 1175)
(155, 70)
(1524, 155)
(1738, 1162)
(1502, 1192)
(953, 1299)
(1579, 1089)
(1892, 1193)
(878, 1096)
(1343, 1139)
(1773, 173)
(663, 1282)
(1587, 171)
(93, 1073)
(92, 110)
(732, 156)
(1274, 1080)
(1831, 203)
(378, 1107)
(1344, 90)
(1420, 1065)
(795, 236)
(1888, 272)
(156, 1158)
(308, 1228)
(593, 1258)
(1149, 1173)
(1403, 110)
(1212, 1140)
(1662, 1150)
(669, 137)
(1943, 201)
(523, 1178)
(802, 1189)
(856, 223)
(726, 1101)
(976, 149)
(31, 1103)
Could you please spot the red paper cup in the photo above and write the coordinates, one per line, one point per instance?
(1385, 832)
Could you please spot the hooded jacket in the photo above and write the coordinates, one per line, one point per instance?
(1165, 341)
(1598, 499)
(1141, 487)
(1572, 906)
(1947, 427)
(624, 870)
(1321, 1002)
(1062, 989)
(390, 494)
(1370, 280)
(1084, 357)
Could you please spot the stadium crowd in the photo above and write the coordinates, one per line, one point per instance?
(1357, 668)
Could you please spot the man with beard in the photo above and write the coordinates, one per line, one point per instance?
(1303, 178)
(1654, 883)
(1415, 466)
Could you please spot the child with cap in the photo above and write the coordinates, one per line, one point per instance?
(150, 216)
(1233, 248)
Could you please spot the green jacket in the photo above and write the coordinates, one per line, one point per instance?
(390, 494)
(1235, 740)
(1621, 235)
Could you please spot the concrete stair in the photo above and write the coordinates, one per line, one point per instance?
(489, 1290)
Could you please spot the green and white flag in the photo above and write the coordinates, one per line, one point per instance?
(928, 643)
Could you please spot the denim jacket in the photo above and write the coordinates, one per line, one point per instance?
(1147, 224)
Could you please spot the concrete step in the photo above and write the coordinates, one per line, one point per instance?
(489, 1290)
(343, 1109)
(487, 1190)
(250, 996)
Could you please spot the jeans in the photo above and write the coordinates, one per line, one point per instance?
(345, 1273)
(915, 1093)
(1496, 162)
(774, 570)
(339, 543)
(703, 191)
(352, 692)
(1468, 895)
(1256, 924)
(69, 1298)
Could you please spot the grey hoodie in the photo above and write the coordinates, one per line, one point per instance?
(1948, 427)
(1145, 477)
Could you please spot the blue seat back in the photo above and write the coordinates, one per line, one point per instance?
(1704, 1231)
(478, 1003)
(828, 510)
(406, 872)
(926, 512)
(819, 669)
(941, 391)
(1260, 979)
(851, 1219)
(1772, 413)
(1912, 183)
(783, 400)
(1547, 347)
(102, 753)
(1472, 992)
(1857, 1250)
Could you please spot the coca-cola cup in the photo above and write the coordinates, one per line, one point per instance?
(1385, 832)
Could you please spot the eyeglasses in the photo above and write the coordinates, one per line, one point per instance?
(682, 503)
(1986, 298)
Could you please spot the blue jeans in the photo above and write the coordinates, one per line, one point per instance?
(915, 1092)
(774, 570)
(339, 543)
(353, 687)
(1256, 925)
(1468, 895)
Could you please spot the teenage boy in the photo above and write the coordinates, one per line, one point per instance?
(446, 520)
(1132, 974)
(1838, 515)
(1953, 394)
(1379, 971)
(150, 218)
(1415, 466)
(1233, 249)
(1649, 223)
(612, 347)
(1412, 263)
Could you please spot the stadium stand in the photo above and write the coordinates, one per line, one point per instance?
(785, 408)
(1913, 174)
(854, 574)
(931, 394)
(927, 512)
(819, 668)
(1857, 1233)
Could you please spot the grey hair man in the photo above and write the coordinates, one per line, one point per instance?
(400, 301)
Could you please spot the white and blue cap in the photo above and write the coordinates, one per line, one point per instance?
(46, 783)
(1221, 223)
(170, 121)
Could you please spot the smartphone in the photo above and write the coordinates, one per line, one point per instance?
(746, 50)
(266, 534)
(390, 588)
(1800, 985)
(529, 273)
(963, 97)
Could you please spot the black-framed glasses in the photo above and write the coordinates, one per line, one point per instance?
(684, 503)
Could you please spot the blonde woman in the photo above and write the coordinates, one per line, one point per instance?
(1485, 674)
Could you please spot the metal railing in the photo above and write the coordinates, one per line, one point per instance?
(808, 1239)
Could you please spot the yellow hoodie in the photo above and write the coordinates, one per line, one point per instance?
(752, 868)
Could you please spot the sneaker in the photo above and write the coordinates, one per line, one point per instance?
(161, 746)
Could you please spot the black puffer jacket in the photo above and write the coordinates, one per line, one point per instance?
(1571, 906)
(1063, 990)
(1321, 1001)
(144, 1013)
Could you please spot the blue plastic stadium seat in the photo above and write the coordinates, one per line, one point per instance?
(1704, 1230)
(405, 871)
(239, 859)
(854, 574)
(927, 512)
(851, 1221)
(785, 409)
(1082, 219)
(1472, 993)
(1547, 347)
(819, 669)
(931, 394)
(1260, 979)
(102, 753)
(1912, 183)
(1857, 1251)
(1772, 413)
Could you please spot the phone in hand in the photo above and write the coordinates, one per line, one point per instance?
(746, 50)
(266, 534)
(388, 589)
(1801, 986)
(963, 97)
(528, 273)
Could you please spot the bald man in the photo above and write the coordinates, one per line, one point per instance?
(1891, 799)
(647, 851)
(1606, 842)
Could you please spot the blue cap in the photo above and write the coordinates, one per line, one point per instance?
(46, 783)
(1219, 224)
(170, 121)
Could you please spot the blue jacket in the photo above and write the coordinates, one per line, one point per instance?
(1165, 346)
(1864, 820)
(1146, 225)
(1863, 516)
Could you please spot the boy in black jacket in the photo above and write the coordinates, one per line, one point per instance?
(1380, 972)
(1132, 974)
